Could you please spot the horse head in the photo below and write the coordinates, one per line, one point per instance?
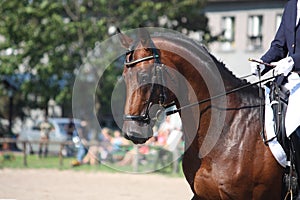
(147, 95)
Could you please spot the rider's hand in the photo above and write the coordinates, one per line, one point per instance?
(256, 68)
(283, 66)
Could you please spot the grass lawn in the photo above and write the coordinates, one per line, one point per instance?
(15, 160)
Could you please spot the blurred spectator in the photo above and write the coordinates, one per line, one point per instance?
(171, 123)
(46, 128)
(168, 137)
(142, 151)
(117, 141)
(92, 155)
(119, 146)
(105, 136)
(175, 133)
(71, 132)
(70, 128)
(110, 148)
(82, 142)
(105, 145)
(95, 151)
(104, 151)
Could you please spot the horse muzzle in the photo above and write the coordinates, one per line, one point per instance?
(137, 132)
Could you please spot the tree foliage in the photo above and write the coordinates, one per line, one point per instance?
(48, 40)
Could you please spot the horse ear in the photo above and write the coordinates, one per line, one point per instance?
(124, 39)
(145, 37)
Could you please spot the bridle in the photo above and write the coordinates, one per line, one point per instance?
(157, 82)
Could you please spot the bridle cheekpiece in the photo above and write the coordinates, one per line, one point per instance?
(157, 81)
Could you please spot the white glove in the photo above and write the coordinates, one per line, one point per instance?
(256, 68)
(283, 66)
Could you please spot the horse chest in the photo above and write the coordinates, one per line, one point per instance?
(214, 181)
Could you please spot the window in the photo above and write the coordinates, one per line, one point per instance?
(228, 30)
(255, 32)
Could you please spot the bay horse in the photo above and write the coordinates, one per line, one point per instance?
(225, 157)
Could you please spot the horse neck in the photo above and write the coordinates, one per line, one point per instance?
(242, 122)
(236, 102)
(190, 87)
(197, 65)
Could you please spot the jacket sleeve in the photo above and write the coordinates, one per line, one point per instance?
(278, 49)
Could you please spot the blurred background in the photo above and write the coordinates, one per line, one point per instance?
(44, 43)
(43, 46)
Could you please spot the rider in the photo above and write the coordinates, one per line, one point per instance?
(284, 54)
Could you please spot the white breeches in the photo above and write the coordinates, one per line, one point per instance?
(292, 119)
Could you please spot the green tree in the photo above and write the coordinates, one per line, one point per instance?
(48, 40)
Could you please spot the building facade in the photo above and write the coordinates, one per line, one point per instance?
(246, 29)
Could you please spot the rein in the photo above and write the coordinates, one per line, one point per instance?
(218, 96)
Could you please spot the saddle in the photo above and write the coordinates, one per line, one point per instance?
(279, 100)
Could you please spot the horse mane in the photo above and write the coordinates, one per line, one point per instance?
(195, 48)
(222, 66)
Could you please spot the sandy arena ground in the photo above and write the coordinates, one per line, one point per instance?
(46, 184)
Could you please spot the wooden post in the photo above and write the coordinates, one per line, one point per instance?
(61, 155)
(175, 155)
(24, 154)
(136, 159)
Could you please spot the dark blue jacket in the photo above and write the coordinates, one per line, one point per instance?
(287, 38)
